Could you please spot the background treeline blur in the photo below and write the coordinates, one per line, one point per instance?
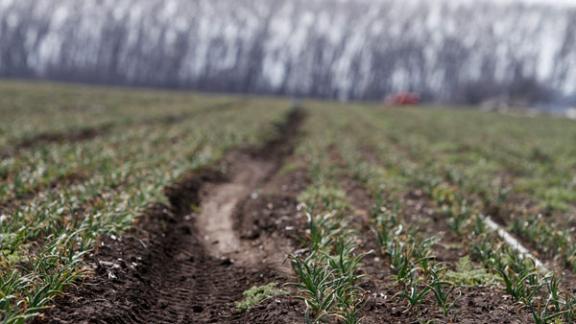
(446, 51)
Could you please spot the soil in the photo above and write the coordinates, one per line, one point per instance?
(231, 227)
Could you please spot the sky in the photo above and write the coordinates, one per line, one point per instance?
(554, 3)
(547, 2)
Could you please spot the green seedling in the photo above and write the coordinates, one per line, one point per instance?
(345, 263)
(442, 290)
(483, 249)
(351, 315)
(459, 216)
(348, 301)
(413, 293)
(545, 314)
(323, 231)
(400, 260)
(479, 226)
(522, 285)
(570, 309)
(386, 228)
(555, 306)
(422, 249)
(316, 284)
(553, 288)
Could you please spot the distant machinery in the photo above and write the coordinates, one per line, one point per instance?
(403, 99)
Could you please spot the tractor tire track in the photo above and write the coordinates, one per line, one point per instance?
(165, 270)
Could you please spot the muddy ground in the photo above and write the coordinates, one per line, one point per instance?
(231, 227)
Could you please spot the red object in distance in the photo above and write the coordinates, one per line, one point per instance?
(403, 99)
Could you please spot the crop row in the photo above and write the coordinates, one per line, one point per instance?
(44, 109)
(390, 168)
(32, 170)
(492, 190)
(328, 270)
(464, 217)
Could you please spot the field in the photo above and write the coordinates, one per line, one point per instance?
(142, 206)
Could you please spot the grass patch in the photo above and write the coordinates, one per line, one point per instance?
(288, 168)
(468, 275)
(258, 294)
(324, 197)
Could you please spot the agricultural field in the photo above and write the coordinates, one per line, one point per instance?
(146, 206)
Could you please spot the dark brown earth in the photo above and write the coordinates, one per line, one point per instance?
(171, 267)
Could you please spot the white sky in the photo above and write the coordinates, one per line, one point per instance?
(547, 2)
(557, 3)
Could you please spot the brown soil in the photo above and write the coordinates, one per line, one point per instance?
(179, 266)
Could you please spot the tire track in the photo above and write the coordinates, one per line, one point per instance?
(164, 270)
